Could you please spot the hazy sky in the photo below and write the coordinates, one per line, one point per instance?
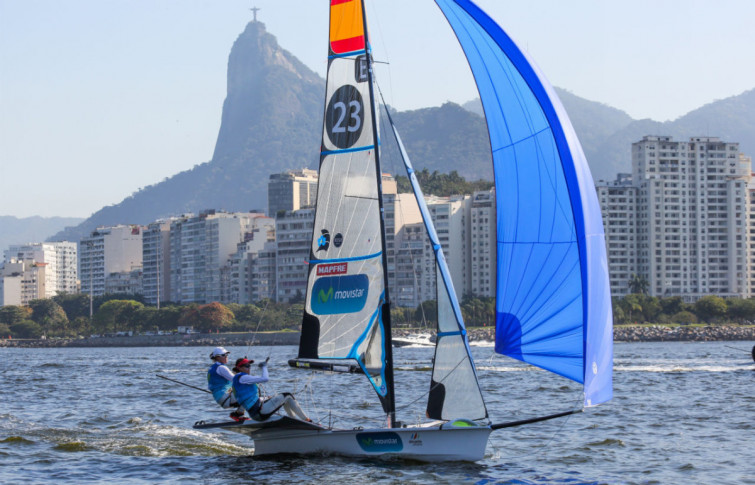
(101, 97)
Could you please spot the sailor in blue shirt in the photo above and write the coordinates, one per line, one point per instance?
(247, 392)
(219, 379)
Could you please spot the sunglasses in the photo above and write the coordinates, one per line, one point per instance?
(245, 365)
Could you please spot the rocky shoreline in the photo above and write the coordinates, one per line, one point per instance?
(637, 333)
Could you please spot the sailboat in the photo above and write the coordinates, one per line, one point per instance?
(553, 307)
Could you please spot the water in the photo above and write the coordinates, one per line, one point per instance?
(681, 413)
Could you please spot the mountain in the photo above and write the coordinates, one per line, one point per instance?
(730, 119)
(272, 121)
(14, 230)
(594, 123)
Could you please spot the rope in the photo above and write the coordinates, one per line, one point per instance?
(254, 334)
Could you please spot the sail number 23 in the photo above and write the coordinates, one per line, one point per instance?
(343, 116)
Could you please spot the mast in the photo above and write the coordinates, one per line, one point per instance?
(386, 310)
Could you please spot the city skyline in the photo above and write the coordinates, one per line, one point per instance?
(88, 87)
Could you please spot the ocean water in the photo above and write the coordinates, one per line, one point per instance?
(681, 413)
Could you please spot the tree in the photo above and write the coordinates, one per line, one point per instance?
(26, 329)
(427, 312)
(710, 308)
(4, 330)
(49, 315)
(638, 284)
(672, 305)
(684, 317)
(74, 304)
(11, 314)
(740, 310)
(115, 315)
(209, 317)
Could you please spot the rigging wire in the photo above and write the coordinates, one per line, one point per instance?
(398, 203)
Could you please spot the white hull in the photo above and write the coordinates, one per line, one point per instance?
(438, 443)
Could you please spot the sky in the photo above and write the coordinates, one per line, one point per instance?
(99, 98)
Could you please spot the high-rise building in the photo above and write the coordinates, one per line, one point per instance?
(293, 236)
(750, 233)
(21, 281)
(60, 258)
(291, 190)
(242, 268)
(618, 206)
(200, 250)
(482, 237)
(156, 262)
(690, 218)
(108, 250)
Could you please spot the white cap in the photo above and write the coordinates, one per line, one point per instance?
(218, 351)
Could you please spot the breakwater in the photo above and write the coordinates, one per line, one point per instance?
(637, 333)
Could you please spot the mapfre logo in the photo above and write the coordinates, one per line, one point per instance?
(332, 269)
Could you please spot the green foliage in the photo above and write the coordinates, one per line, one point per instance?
(710, 308)
(740, 310)
(441, 184)
(11, 314)
(638, 284)
(4, 330)
(26, 329)
(672, 305)
(427, 313)
(684, 317)
(478, 311)
(116, 316)
(75, 305)
(50, 316)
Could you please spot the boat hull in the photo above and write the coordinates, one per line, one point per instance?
(459, 440)
(424, 444)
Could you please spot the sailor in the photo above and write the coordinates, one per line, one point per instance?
(247, 391)
(219, 382)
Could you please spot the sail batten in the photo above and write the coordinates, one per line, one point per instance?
(553, 307)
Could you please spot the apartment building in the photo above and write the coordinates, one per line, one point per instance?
(60, 259)
(293, 235)
(21, 281)
(200, 250)
(156, 262)
(687, 206)
(108, 250)
(618, 207)
(482, 244)
(291, 190)
(241, 267)
(750, 232)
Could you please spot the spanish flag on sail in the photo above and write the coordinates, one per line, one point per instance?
(346, 26)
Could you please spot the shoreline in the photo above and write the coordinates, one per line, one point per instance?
(638, 333)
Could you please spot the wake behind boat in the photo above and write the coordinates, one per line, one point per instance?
(553, 307)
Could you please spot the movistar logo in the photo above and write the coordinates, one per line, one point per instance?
(325, 297)
(339, 294)
(388, 441)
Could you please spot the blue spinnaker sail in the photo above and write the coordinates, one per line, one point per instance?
(553, 303)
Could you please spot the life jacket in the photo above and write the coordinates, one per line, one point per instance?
(217, 384)
(246, 394)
